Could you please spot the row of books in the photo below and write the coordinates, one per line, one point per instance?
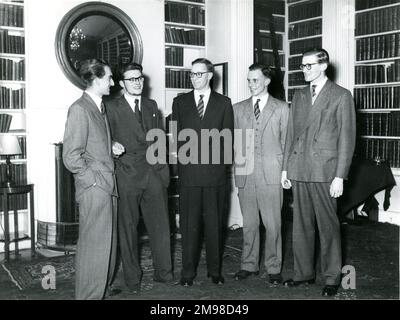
(279, 24)
(295, 62)
(366, 4)
(297, 47)
(296, 79)
(378, 47)
(11, 15)
(379, 124)
(12, 99)
(11, 70)
(5, 122)
(380, 20)
(18, 175)
(181, 36)
(305, 10)
(174, 56)
(268, 59)
(384, 148)
(377, 97)
(175, 12)
(266, 42)
(11, 44)
(177, 79)
(379, 73)
(305, 29)
(22, 144)
(198, 1)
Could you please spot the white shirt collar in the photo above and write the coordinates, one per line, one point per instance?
(263, 101)
(97, 100)
(319, 83)
(131, 101)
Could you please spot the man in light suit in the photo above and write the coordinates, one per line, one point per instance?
(318, 152)
(203, 185)
(260, 191)
(141, 185)
(87, 153)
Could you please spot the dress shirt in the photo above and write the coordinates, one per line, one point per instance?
(206, 97)
(262, 103)
(97, 100)
(131, 101)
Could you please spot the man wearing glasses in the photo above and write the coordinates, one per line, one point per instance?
(141, 186)
(202, 185)
(318, 152)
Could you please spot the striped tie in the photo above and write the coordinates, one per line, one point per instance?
(257, 109)
(313, 92)
(200, 106)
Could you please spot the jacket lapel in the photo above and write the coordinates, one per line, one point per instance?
(314, 112)
(148, 116)
(267, 112)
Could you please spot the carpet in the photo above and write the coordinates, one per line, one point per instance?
(26, 274)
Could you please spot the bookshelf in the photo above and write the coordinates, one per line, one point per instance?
(13, 93)
(269, 40)
(377, 80)
(304, 33)
(185, 40)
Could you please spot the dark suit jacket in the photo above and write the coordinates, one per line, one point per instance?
(132, 166)
(87, 147)
(320, 139)
(219, 116)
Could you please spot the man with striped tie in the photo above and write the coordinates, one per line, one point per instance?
(260, 192)
(202, 184)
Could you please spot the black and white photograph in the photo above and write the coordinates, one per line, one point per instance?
(197, 156)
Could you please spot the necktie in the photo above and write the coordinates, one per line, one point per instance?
(200, 106)
(257, 109)
(313, 92)
(102, 108)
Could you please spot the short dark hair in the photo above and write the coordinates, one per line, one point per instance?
(322, 54)
(266, 71)
(92, 68)
(208, 63)
(128, 67)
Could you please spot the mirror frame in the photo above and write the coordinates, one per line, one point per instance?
(84, 10)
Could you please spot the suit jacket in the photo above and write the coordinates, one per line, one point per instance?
(218, 115)
(132, 167)
(321, 137)
(87, 147)
(274, 118)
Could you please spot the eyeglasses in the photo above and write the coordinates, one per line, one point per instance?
(197, 74)
(307, 66)
(133, 79)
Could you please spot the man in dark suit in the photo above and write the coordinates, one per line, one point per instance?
(260, 191)
(318, 152)
(202, 181)
(141, 185)
(87, 153)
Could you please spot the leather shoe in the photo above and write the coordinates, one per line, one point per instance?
(134, 289)
(217, 279)
(243, 274)
(329, 290)
(291, 283)
(186, 282)
(275, 279)
(112, 291)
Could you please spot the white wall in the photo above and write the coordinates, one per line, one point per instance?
(50, 93)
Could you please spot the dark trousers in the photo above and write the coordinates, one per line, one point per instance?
(312, 204)
(153, 202)
(201, 209)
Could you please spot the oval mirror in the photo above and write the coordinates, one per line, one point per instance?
(96, 30)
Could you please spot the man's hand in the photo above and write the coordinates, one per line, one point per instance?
(336, 189)
(117, 149)
(285, 182)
